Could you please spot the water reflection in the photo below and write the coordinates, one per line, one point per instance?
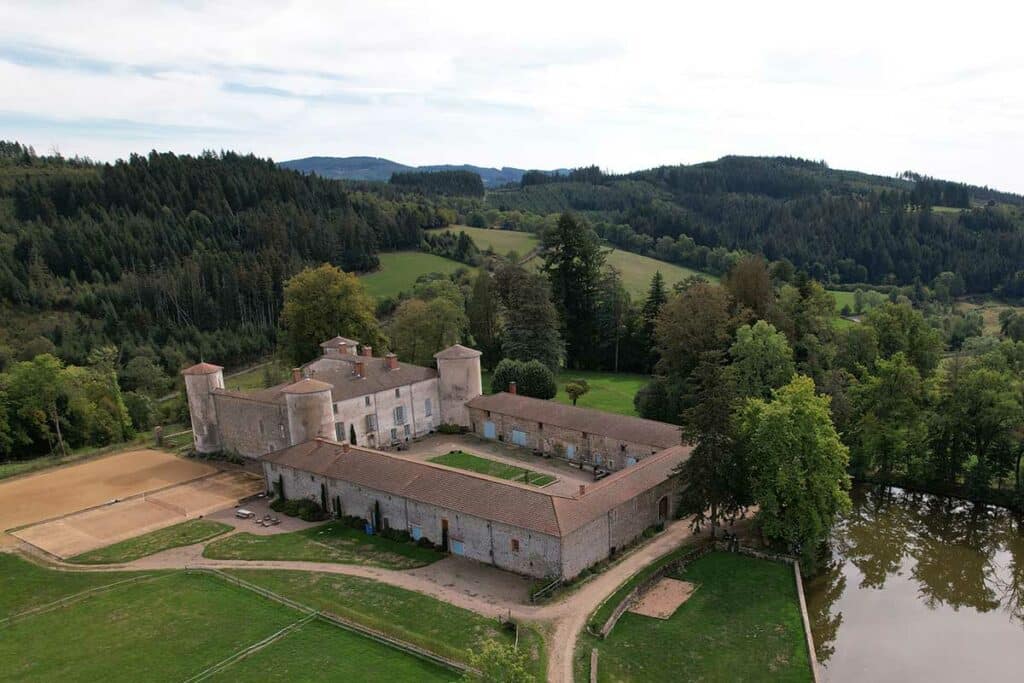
(918, 587)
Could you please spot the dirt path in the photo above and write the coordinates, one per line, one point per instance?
(568, 615)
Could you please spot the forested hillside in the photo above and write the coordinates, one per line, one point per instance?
(176, 257)
(840, 226)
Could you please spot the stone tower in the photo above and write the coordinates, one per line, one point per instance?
(310, 410)
(458, 368)
(200, 382)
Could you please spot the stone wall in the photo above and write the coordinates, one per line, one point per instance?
(537, 555)
(251, 428)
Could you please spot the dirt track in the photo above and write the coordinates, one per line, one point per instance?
(57, 492)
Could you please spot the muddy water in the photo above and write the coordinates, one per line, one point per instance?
(921, 588)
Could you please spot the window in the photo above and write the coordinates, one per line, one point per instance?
(366, 400)
(399, 415)
(339, 431)
(335, 408)
(394, 434)
(371, 423)
(428, 409)
(398, 392)
(515, 545)
(407, 430)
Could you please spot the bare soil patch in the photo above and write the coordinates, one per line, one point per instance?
(53, 493)
(99, 527)
(664, 598)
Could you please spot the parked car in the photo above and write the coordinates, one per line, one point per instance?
(242, 513)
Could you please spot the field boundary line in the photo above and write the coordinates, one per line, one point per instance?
(134, 496)
(255, 647)
(341, 622)
(76, 598)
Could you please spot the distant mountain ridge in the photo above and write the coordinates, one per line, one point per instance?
(376, 168)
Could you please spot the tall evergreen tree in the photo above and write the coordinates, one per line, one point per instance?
(572, 261)
(482, 308)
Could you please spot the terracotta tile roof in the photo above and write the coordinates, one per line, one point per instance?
(457, 352)
(618, 488)
(485, 497)
(340, 374)
(506, 502)
(337, 342)
(622, 427)
(201, 369)
(306, 386)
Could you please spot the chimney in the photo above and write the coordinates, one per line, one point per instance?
(296, 374)
(512, 389)
(583, 489)
(368, 351)
(360, 366)
(392, 361)
(344, 446)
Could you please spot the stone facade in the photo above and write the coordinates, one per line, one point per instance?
(574, 445)
(518, 550)
(249, 427)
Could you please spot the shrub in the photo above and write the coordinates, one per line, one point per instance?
(532, 378)
(425, 542)
(397, 535)
(305, 509)
(449, 428)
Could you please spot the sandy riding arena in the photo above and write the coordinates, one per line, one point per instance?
(664, 598)
(58, 492)
(102, 526)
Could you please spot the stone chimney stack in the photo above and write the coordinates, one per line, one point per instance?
(360, 368)
(392, 361)
(296, 374)
(512, 388)
(368, 351)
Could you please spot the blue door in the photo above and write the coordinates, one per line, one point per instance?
(597, 458)
(458, 548)
(417, 533)
(570, 451)
(489, 431)
(518, 437)
(630, 461)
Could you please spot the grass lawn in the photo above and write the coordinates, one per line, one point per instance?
(493, 468)
(399, 269)
(331, 542)
(170, 628)
(611, 392)
(319, 651)
(186, 533)
(501, 242)
(413, 617)
(742, 624)
(637, 271)
(255, 378)
(27, 585)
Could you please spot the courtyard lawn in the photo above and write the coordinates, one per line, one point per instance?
(320, 651)
(26, 585)
(413, 617)
(186, 533)
(742, 624)
(492, 468)
(501, 242)
(331, 542)
(399, 269)
(611, 392)
(164, 629)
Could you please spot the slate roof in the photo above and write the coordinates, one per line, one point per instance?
(622, 427)
(474, 494)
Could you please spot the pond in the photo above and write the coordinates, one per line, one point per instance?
(920, 587)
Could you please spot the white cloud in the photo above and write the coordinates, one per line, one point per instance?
(873, 86)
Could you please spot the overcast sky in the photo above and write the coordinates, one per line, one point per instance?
(877, 87)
